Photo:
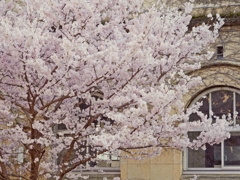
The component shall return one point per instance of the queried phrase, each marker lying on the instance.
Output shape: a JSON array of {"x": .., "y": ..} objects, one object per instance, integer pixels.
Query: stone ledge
[{"x": 212, "y": 177}]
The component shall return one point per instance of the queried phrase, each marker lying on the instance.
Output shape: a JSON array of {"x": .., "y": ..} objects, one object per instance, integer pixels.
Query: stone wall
[{"x": 167, "y": 166}]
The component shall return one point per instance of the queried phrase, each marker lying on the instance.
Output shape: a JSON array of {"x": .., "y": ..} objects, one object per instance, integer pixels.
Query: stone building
[{"x": 220, "y": 94}]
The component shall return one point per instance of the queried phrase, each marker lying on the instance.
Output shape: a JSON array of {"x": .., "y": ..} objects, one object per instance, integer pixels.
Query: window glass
[
  {"x": 237, "y": 108},
  {"x": 232, "y": 150},
  {"x": 220, "y": 52},
  {"x": 209, "y": 158},
  {"x": 222, "y": 103},
  {"x": 204, "y": 108}
]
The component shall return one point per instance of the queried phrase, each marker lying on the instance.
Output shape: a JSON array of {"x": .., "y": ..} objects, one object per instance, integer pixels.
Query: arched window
[{"x": 226, "y": 155}]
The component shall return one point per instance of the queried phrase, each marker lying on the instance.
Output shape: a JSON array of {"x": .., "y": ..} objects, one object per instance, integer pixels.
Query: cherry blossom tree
[{"x": 111, "y": 72}]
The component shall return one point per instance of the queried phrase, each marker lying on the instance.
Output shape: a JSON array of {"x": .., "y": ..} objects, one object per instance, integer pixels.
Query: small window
[{"x": 219, "y": 52}]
